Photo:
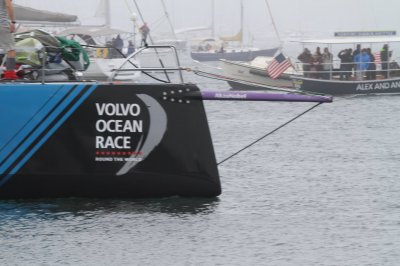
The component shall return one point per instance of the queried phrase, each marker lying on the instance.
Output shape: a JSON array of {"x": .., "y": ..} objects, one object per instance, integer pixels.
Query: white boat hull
[
  {"x": 257, "y": 75},
  {"x": 102, "y": 69}
]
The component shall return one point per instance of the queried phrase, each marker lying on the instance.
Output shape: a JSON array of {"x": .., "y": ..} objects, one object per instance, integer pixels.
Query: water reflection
[{"x": 56, "y": 208}]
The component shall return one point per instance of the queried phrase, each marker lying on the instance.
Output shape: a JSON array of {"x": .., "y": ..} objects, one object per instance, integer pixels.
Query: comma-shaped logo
[{"x": 157, "y": 129}]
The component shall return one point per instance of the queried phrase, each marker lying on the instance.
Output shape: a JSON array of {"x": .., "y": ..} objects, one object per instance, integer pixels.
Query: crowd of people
[
  {"x": 118, "y": 44},
  {"x": 317, "y": 65},
  {"x": 359, "y": 63}
]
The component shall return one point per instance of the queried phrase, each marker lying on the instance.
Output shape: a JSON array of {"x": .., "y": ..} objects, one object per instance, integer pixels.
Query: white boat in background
[
  {"x": 253, "y": 75},
  {"x": 103, "y": 57},
  {"x": 180, "y": 45},
  {"x": 379, "y": 75}
]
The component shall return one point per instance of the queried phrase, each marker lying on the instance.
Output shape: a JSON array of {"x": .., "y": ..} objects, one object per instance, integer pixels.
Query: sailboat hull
[{"x": 104, "y": 141}]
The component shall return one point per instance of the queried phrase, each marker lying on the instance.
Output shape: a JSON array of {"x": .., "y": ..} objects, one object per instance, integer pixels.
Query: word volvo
[{"x": 117, "y": 123}]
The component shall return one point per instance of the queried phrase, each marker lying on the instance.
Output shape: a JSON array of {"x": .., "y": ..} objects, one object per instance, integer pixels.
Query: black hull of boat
[
  {"x": 104, "y": 141},
  {"x": 232, "y": 56},
  {"x": 236, "y": 86},
  {"x": 336, "y": 87}
]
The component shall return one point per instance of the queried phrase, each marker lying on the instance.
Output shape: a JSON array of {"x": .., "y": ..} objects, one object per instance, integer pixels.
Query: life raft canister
[{"x": 102, "y": 52}]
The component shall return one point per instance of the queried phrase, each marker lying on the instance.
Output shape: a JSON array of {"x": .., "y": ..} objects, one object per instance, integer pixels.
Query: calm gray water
[{"x": 324, "y": 190}]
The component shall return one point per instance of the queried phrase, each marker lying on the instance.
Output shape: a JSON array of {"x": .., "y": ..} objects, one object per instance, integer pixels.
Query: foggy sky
[{"x": 309, "y": 18}]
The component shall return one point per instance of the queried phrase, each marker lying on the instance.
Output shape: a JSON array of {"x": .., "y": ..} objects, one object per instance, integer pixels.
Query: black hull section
[
  {"x": 246, "y": 87},
  {"x": 232, "y": 56},
  {"x": 135, "y": 185},
  {"x": 335, "y": 87},
  {"x": 104, "y": 141}
]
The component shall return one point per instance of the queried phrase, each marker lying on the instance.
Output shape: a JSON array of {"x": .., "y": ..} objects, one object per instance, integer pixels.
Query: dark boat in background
[
  {"x": 232, "y": 54},
  {"x": 228, "y": 47},
  {"x": 339, "y": 87}
]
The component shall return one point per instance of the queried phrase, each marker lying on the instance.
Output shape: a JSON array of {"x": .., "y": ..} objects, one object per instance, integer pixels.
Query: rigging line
[
  {"x": 128, "y": 7},
  {"x": 269, "y": 133},
  {"x": 210, "y": 75},
  {"x": 151, "y": 39},
  {"x": 157, "y": 22},
  {"x": 204, "y": 65},
  {"x": 129, "y": 61},
  {"x": 273, "y": 23},
  {"x": 225, "y": 78},
  {"x": 169, "y": 19}
]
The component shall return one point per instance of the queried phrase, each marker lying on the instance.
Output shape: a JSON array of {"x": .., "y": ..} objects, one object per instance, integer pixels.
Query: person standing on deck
[
  {"x": 119, "y": 43},
  {"x": 131, "y": 48},
  {"x": 371, "y": 71},
  {"x": 362, "y": 62},
  {"x": 317, "y": 63},
  {"x": 327, "y": 64},
  {"x": 385, "y": 57},
  {"x": 7, "y": 43},
  {"x": 346, "y": 64},
  {"x": 355, "y": 53},
  {"x": 144, "y": 30},
  {"x": 306, "y": 59}
]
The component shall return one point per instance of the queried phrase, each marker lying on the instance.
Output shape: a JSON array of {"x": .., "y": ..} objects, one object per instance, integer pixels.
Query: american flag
[{"x": 278, "y": 65}]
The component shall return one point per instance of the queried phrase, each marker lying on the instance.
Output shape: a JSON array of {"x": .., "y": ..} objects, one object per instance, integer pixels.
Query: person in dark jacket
[
  {"x": 356, "y": 52},
  {"x": 385, "y": 58},
  {"x": 131, "y": 48},
  {"x": 371, "y": 70},
  {"x": 119, "y": 43},
  {"x": 346, "y": 63},
  {"x": 306, "y": 59}
]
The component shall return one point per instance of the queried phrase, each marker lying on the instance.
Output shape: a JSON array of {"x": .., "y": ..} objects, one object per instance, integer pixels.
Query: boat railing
[
  {"x": 380, "y": 69},
  {"x": 75, "y": 66},
  {"x": 43, "y": 69},
  {"x": 145, "y": 70},
  {"x": 131, "y": 62},
  {"x": 128, "y": 63}
]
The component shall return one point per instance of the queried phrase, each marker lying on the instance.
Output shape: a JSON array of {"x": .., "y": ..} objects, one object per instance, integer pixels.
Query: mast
[
  {"x": 107, "y": 8},
  {"x": 169, "y": 20},
  {"x": 273, "y": 23},
  {"x": 241, "y": 21},
  {"x": 104, "y": 12},
  {"x": 212, "y": 18},
  {"x": 142, "y": 19}
]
